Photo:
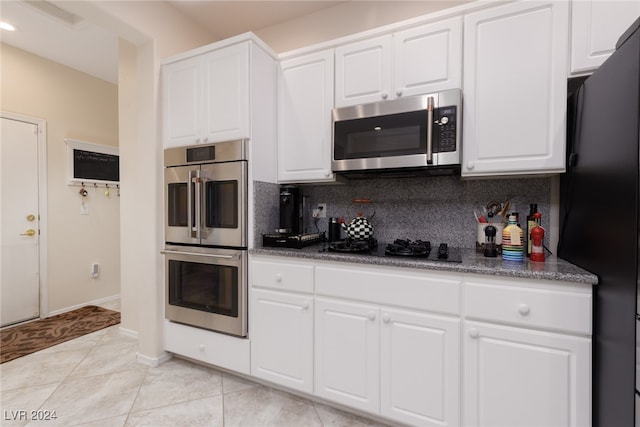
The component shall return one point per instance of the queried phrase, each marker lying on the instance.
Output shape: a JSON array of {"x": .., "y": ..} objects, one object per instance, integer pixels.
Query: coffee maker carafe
[{"x": 290, "y": 210}]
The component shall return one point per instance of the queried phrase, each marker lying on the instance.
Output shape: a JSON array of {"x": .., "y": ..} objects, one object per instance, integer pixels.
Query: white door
[
  {"x": 19, "y": 222},
  {"x": 305, "y": 100},
  {"x": 517, "y": 377},
  {"x": 513, "y": 127},
  {"x": 428, "y": 58},
  {"x": 420, "y": 368},
  {"x": 225, "y": 89},
  {"x": 347, "y": 364},
  {"x": 282, "y": 338},
  {"x": 363, "y": 71}
]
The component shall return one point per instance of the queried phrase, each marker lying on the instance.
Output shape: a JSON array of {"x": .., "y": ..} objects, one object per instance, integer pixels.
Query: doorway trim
[{"x": 42, "y": 205}]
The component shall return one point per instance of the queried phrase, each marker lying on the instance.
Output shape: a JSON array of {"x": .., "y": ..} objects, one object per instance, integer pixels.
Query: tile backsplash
[{"x": 438, "y": 209}]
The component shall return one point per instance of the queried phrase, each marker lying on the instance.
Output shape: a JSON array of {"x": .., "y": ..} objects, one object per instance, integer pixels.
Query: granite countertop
[{"x": 552, "y": 269}]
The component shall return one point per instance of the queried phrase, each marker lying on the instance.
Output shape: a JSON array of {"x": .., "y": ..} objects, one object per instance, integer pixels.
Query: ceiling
[{"x": 46, "y": 29}]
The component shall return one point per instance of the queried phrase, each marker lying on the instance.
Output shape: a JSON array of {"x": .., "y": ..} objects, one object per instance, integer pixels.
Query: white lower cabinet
[
  {"x": 403, "y": 364},
  {"x": 387, "y": 341},
  {"x": 347, "y": 343},
  {"x": 281, "y": 321},
  {"x": 519, "y": 377},
  {"x": 282, "y": 338},
  {"x": 419, "y": 368},
  {"x": 210, "y": 347},
  {"x": 527, "y": 353},
  {"x": 424, "y": 348}
]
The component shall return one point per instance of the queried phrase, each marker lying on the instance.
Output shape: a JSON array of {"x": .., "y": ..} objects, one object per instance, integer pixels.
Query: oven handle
[
  {"x": 168, "y": 252},
  {"x": 430, "y": 130},
  {"x": 198, "y": 206},
  {"x": 189, "y": 204}
]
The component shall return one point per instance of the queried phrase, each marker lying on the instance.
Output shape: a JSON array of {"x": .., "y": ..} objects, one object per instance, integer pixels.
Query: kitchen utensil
[{"x": 359, "y": 228}]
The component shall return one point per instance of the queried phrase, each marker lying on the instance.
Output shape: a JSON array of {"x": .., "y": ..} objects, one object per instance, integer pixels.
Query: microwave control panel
[{"x": 445, "y": 129}]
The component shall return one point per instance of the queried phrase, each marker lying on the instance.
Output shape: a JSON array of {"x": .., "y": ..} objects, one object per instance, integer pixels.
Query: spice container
[
  {"x": 490, "y": 250},
  {"x": 537, "y": 250}
]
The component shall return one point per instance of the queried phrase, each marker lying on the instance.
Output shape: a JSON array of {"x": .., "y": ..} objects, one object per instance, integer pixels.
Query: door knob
[{"x": 29, "y": 232}]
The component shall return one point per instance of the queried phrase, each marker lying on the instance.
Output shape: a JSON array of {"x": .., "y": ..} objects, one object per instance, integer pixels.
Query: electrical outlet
[{"x": 322, "y": 210}]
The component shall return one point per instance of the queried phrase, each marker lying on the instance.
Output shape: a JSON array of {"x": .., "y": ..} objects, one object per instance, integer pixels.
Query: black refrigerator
[{"x": 599, "y": 221}]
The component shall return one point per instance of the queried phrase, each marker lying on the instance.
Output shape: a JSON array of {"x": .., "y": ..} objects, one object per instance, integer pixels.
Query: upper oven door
[
  {"x": 179, "y": 201},
  {"x": 223, "y": 204},
  {"x": 207, "y": 204}
]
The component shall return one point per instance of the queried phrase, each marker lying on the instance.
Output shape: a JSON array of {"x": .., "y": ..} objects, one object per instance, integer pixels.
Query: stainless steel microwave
[{"x": 419, "y": 133}]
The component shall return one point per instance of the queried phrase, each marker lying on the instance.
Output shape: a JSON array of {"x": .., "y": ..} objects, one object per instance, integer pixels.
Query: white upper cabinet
[
  {"x": 428, "y": 58},
  {"x": 305, "y": 101},
  {"x": 206, "y": 97},
  {"x": 181, "y": 104},
  {"x": 225, "y": 88},
  {"x": 596, "y": 26},
  {"x": 515, "y": 77},
  {"x": 420, "y": 60},
  {"x": 363, "y": 71}
]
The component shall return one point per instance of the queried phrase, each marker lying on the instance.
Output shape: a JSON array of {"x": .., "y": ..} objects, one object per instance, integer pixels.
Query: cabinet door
[
  {"x": 282, "y": 338},
  {"x": 420, "y": 368},
  {"x": 518, "y": 377},
  {"x": 428, "y": 58},
  {"x": 596, "y": 26},
  {"x": 305, "y": 100},
  {"x": 515, "y": 71},
  {"x": 347, "y": 365},
  {"x": 181, "y": 103},
  {"x": 363, "y": 71},
  {"x": 225, "y": 85}
]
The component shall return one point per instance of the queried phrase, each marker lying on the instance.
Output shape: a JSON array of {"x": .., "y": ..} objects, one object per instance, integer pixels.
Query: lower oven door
[{"x": 207, "y": 288}]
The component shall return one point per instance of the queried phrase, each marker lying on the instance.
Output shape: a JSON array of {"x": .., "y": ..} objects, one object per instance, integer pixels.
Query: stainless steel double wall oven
[{"x": 206, "y": 236}]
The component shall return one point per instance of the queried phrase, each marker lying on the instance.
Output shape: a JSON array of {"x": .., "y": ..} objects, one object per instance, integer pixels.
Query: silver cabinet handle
[
  {"x": 430, "y": 130},
  {"x": 166, "y": 252}
]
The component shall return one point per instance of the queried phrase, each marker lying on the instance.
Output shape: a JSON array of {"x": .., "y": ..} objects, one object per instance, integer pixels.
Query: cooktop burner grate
[
  {"x": 354, "y": 246},
  {"x": 409, "y": 248}
]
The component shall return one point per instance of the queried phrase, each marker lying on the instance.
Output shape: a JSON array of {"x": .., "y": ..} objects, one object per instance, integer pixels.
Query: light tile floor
[{"x": 95, "y": 380}]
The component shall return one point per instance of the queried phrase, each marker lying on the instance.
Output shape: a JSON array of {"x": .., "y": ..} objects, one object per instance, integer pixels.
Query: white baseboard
[
  {"x": 153, "y": 361},
  {"x": 128, "y": 332},
  {"x": 75, "y": 307}
]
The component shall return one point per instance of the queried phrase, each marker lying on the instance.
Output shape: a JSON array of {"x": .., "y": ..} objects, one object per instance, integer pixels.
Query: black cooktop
[{"x": 401, "y": 248}]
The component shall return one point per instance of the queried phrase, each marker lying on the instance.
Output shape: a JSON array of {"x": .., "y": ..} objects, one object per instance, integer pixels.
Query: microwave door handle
[{"x": 430, "y": 130}]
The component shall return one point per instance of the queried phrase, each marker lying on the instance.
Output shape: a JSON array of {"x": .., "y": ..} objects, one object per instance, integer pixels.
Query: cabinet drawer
[
  {"x": 207, "y": 346},
  {"x": 415, "y": 289},
  {"x": 563, "y": 310},
  {"x": 289, "y": 276}
]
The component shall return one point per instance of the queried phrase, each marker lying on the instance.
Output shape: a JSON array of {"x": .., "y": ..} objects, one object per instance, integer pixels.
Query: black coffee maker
[
  {"x": 290, "y": 210},
  {"x": 292, "y": 231}
]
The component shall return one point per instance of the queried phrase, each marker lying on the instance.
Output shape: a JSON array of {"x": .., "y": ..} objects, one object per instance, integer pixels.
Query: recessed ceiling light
[{"x": 6, "y": 26}]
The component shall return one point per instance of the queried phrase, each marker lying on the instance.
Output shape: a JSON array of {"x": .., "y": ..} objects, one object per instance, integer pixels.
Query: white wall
[
  {"x": 345, "y": 19},
  {"x": 78, "y": 106},
  {"x": 152, "y": 30}
]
